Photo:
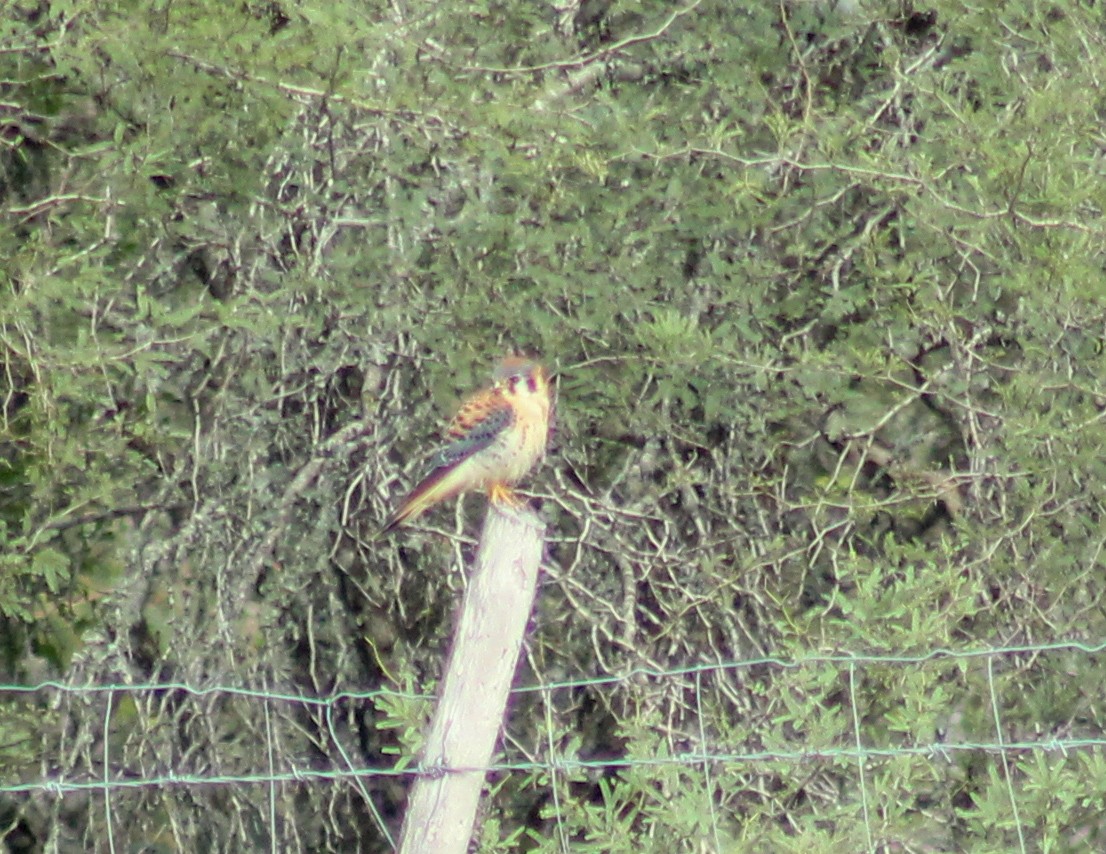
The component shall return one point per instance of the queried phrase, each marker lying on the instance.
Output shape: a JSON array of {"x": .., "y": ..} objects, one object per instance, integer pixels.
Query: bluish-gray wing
[{"x": 477, "y": 435}]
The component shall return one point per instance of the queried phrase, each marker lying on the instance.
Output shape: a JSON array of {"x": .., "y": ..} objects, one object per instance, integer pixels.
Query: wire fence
[{"x": 115, "y": 776}]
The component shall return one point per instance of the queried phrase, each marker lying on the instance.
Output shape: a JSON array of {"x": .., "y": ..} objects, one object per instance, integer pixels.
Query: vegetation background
[{"x": 823, "y": 287}]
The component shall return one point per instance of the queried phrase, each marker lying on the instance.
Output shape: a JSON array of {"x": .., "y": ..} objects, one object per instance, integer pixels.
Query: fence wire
[{"x": 560, "y": 763}]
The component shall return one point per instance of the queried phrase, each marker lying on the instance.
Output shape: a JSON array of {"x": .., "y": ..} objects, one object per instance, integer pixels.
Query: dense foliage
[{"x": 823, "y": 288}]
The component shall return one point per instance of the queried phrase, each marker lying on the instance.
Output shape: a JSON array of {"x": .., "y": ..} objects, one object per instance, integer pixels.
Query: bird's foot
[{"x": 503, "y": 496}]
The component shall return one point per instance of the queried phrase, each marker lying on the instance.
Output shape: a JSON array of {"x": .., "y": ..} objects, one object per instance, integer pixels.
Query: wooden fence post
[{"x": 472, "y": 702}]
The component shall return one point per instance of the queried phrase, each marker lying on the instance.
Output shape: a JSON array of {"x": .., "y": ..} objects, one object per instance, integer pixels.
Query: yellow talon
[{"x": 500, "y": 493}]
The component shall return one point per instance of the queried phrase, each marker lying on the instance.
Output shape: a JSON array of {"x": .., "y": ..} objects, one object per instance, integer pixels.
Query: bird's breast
[{"x": 522, "y": 445}]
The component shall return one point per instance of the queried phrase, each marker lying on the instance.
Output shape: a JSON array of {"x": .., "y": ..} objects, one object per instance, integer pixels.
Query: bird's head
[{"x": 517, "y": 375}]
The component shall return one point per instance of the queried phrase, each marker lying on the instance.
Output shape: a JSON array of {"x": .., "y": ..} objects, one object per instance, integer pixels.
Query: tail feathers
[{"x": 441, "y": 484}]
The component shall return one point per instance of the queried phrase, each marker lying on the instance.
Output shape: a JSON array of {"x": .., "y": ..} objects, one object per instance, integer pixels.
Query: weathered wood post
[{"x": 472, "y": 701}]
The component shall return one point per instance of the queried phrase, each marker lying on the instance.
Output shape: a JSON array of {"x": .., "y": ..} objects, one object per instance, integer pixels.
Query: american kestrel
[{"x": 498, "y": 435}]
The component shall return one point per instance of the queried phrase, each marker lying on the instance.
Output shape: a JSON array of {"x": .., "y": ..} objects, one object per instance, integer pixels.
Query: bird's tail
[{"x": 441, "y": 484}]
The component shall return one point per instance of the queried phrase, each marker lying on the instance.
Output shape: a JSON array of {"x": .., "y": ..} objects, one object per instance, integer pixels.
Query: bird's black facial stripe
[{"x": 516, "y": 383}]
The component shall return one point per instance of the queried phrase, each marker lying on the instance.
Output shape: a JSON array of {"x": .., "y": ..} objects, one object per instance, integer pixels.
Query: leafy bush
[{"x": 823, "y": 288}]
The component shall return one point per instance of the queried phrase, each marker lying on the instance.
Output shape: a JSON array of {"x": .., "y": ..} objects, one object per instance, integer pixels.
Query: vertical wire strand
[
  {"x": 860, "y": 756},
  {"x": 1002, "y": 753}
]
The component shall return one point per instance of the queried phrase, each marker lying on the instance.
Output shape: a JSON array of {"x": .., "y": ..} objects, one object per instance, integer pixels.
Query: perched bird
[{"x": 498, "y": 435}]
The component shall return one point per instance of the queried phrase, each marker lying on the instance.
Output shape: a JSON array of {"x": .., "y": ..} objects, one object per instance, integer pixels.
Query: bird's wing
[{"x": 475, "y": 427}]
